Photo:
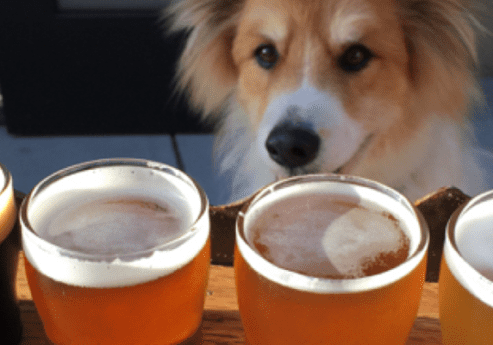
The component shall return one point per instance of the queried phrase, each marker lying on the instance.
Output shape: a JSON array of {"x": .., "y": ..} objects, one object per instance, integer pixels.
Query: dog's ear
[
  {"x": 441, "y": 40},
  {"x": 205, "y": 70}
]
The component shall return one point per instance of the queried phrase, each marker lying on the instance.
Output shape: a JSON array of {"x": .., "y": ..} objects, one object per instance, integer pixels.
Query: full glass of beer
[
  {"x": 118, "y": 252},
  {"x": 10, "y": 322},
  {"x": 329, "y": 259},
  {"x": 466, "y": 275}
]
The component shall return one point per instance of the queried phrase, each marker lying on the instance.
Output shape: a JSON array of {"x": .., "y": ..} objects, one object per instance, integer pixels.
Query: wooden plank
[{"x": 221, "y": 322}]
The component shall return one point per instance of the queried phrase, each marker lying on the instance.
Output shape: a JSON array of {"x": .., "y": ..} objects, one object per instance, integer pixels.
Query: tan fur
[{"x": 422, "y": 76}]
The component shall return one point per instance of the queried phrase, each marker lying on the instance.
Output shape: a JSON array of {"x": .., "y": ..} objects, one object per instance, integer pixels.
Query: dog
[{"x": 381, "y": 89}]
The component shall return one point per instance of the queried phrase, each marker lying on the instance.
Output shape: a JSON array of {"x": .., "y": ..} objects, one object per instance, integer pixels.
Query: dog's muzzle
[{"x": 293, "y": 144}]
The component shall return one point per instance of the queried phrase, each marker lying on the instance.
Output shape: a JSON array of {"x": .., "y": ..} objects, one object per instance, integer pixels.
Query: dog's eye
[
  {"x": 355, "y": 58},
  {"x": 266, "y": 56}
]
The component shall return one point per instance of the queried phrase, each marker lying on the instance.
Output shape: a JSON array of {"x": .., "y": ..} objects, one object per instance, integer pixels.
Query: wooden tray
[{"x": 221, "y": 322}]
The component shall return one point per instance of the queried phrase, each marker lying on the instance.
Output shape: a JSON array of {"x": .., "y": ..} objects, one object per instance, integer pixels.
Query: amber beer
[
  {"x": 10, "y": 322},
  {"x": 466, "y": 275},
  {"x": 117, "y": 252},
  {"x": 326, "y": 259}
]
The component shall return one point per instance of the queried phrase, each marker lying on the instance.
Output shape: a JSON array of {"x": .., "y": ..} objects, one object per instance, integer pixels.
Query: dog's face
[
  {"x": 322, "y": 82},
  {"x": 341, "y": 86}
]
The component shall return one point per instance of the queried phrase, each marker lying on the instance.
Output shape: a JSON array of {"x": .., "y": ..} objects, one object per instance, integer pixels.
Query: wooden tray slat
[{"x": 222, "y": 323}]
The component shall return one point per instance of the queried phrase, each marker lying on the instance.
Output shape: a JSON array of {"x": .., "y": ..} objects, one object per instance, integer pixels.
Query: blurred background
[{"x": 88, "y": 79}]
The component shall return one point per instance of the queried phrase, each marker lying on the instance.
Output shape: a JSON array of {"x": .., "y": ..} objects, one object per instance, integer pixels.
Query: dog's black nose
[{"x": 292, "y": 144}]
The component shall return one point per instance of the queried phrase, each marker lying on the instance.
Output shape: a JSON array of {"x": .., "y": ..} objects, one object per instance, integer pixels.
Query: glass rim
[
  {"x": 8, "y": 178},
  {"x": 468, "y": 276},
  {"x": 314, "y": 284},
  {"x": 6, "y": 188},
  {"x": 105, "y": 163}
]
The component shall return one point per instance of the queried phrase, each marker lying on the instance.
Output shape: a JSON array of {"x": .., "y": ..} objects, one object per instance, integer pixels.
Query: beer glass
[
  {"x": 466, "y": 275},
  {"x": 118, "y": 252},
  {"x": 329, "y": 259},
  {"x": 10, "y": 322}
]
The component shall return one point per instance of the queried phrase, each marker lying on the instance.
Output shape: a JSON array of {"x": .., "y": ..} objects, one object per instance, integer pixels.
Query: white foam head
[
  {"x": 115, "y": 222},
  {"x": 289, "y": 236},
  {"x": 468, "y": 246}
]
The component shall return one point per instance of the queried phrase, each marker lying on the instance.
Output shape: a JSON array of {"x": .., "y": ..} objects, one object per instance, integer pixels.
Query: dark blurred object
[
  {"x": 437, "y": 209},
  {"x": 223, "y": 225},
  {"x": 10, "y": 320},
  {"x": 88, "y": 72}
]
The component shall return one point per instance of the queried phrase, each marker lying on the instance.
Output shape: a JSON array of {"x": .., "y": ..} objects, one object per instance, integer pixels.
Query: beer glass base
[
  {"x": 282, "y": 300},
  {"x": 127, "y": 259}
]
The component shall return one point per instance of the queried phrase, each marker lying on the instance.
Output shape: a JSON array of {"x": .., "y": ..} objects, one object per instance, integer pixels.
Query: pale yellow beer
[
  {"x": 327, "y": 259},
  {"x": 466, "y": 275},
  {"x": 118, "y": 252}
]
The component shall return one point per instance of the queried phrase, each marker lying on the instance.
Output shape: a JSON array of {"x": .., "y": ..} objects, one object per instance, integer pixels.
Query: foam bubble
[
  {"x": 359, "y": 238},
  {"x": 474, "y": 238},
  {"x": 291, "y": 239},
  {"x": 328, "y": 235},
  {"x": 115, "y": 225},
  {"x": 469, "y": 260}
]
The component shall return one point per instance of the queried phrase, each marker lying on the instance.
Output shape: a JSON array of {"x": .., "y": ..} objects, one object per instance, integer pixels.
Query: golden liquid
[
  {"x": 274, "y": 314},
  {"x": 384, "y": 261},
  {"x": 8, "y": 214},
  {"x": 464, "y": 319},
  {"x": 321, "y": 237},
  {"x": 167, "y": 310}
]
